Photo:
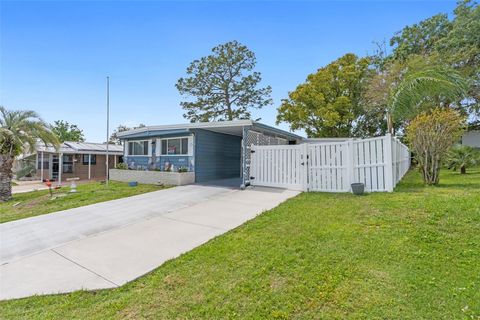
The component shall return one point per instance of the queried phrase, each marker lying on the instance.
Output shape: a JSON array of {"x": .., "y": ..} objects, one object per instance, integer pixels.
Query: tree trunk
[
  {"x": 431, "y": 171},
  {"x": 463, "y": 170},
  {"x": 6, "y": 163},
  {"x": 229, "y": 106},
  {"x": 389, "y": 123}
]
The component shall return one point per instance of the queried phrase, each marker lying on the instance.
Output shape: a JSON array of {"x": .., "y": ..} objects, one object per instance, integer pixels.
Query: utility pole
[{"x": 108, "y": 124}]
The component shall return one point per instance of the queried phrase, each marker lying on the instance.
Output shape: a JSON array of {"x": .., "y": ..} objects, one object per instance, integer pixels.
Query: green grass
[
  {"x": 411, "y": 254},
  {"x": 29, "y": 204}
]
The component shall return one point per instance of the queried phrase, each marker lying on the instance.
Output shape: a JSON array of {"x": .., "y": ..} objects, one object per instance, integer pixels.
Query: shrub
[
  {"x": 121, "y": 166},
  {"x": 461, "y": 157},
  {"x": 27, "y": 171},
  {"x": 430, "y": 136},
  {"x": 182, "y": 169}
]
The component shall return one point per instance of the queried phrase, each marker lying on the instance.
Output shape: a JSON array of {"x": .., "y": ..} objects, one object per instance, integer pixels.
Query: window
[
  {"x": 93, "y": 159},
  {"x": 45, "y": 164},
  {"x": 67, "y": 163},
  {"x": 138, "y": 148},
  {"x": 174, "y": 146}
]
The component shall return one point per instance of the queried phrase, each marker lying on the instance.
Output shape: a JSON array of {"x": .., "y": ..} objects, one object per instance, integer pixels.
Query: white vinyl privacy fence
[{"x": 379, "y": 163}]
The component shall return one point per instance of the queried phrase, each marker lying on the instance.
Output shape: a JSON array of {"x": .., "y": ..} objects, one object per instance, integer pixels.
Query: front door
[{"x": 55, "y": 166}]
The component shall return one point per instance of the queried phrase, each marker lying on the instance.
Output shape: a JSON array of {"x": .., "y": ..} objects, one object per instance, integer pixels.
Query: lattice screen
[{"x": 258, "y": 139}]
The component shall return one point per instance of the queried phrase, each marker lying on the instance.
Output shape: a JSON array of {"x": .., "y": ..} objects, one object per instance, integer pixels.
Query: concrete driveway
[{"x": 108, "y": 244}]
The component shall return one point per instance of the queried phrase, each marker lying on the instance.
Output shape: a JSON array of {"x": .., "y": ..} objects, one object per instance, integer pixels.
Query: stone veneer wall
[{"x": 153, "y": 177}]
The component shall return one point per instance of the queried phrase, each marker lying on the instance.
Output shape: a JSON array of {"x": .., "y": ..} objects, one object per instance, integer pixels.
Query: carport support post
[
  {"x": 89, "y": 164},
  {"x": 41, "y": 167},
  {"x": 60, "y": 169},
  {"x": 36, "y": 163},
  {"x": 244, "y": 158}
]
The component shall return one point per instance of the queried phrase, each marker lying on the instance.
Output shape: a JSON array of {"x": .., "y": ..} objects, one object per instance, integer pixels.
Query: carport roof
[
  {"x": 234, "y": 127},
  {"x": 82, "y": 147}
]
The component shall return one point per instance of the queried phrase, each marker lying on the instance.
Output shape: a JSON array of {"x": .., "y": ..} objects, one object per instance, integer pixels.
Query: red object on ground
[{"x": 48, "y": 183}]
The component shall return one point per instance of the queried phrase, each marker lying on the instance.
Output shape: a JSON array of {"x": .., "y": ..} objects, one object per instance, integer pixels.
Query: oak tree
[{"x": 329, "y": 102}]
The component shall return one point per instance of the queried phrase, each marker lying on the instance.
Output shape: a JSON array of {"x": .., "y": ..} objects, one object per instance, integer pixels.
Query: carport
[{"x": 214, "y": 151}]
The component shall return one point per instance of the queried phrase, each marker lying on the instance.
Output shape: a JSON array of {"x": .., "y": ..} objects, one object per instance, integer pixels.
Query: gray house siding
[{"x": 217, "y": 155}]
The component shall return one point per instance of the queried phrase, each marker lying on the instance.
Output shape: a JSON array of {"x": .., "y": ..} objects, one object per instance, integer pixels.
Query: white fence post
[
  {"x": 387, "y": 156},
  {"x": 304, "y": 167},
  {"x": 350, "y": 165}
]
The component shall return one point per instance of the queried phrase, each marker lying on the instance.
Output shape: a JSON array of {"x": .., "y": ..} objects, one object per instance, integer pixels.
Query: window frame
[
  {"x": 46, "y": 164},
  {"x": 93, "y": 159},
  {"x": 127, "y": 148},
  {"x": 189, "y": 146},
  {"x": 67, "y": 163}
]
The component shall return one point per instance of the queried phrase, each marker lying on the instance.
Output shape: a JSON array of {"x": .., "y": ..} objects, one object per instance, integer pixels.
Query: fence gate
[
  {"x": 379, "y": 163},
  {"x": 327, "y": 167},
  {"x": 282, "y": 166}
]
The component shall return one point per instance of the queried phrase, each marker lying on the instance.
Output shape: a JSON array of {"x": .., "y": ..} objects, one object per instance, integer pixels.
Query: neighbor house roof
[
  {"x": 83, "y": 147},
  {"x": 234, "y": 127}
]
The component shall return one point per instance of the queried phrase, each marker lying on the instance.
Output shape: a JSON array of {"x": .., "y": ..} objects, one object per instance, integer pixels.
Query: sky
[{"x": 55, "y": 56}]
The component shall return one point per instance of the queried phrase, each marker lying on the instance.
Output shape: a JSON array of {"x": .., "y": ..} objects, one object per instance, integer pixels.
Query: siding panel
[{"x": 217, "y": 156}]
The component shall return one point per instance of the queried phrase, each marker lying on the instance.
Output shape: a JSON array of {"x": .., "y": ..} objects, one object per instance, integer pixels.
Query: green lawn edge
[{"x": 35, "y": 203}]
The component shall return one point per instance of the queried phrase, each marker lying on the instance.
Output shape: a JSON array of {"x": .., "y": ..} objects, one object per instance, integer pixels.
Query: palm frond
[
  {"x": 418, "y": 87},
  {"x": 21, "y": 130}
]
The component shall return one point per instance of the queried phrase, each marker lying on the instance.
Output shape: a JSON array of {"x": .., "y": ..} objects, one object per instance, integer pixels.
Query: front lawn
[
  {"x": 29, "y": 204},
  {"x": 411, "y": 254}
]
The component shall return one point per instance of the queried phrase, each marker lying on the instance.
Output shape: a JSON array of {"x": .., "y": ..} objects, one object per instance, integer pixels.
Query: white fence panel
[
  {"x": 277, "y": 166},
  {"x": 369, "y": 163},
  {"x": 327, "y": 168},
  {"x": 401, "y": 160},
  {"x": 379, "y": 163}
]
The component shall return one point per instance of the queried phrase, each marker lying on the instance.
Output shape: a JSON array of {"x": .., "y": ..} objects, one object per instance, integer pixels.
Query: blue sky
[{"x": 55, "y": 55}]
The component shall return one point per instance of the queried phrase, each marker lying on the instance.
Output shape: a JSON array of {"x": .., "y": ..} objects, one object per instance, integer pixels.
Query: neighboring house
[
  {"x": 212, "y": 150},
  {"x": 471, "y": 138},
  {"x": 84, "y": 160}
]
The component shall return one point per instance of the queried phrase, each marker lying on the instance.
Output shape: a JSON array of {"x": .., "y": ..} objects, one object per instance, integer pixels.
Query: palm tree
[
  {"x": 461, "y": 157},
  {"x": 435, "y": 84},
  {"x": 19, "y": 131}
]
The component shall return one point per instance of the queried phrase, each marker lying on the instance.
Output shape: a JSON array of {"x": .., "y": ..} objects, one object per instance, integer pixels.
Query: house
[
  {"x": 84, "y": 160},
  {"x": 471, "y": 138},
  {"x": 211, "y": 151}
]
